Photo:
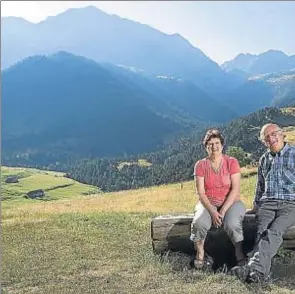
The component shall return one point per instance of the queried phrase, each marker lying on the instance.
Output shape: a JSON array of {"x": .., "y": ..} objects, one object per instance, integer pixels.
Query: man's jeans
[{"x": 273, "y": 218}]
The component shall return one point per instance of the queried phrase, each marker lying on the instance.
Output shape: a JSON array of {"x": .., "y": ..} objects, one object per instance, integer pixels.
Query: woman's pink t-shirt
[{"x": 217, "y": 184}]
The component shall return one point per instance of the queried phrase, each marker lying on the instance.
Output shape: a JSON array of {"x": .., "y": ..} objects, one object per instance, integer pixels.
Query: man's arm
[{"x": 260, "y": 188}]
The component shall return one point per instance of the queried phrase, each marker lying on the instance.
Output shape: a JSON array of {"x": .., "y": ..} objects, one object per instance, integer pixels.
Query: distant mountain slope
[
  {"x": 249, "y": 97},
  {"x": 267, "y": 62},
  {"x": 178, "y": 94},
  {"x": 274, "y": 89},
  {"x": 70, "y": 104},
  {"x": 283, "y": 85},
  {"x": 65, "y": 105},
  {"x": 108, "y": 38}
]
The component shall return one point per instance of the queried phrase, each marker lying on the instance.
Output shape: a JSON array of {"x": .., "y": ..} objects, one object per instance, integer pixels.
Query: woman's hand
[
  {"x": 222, "y": 212},
  {"x": 216, "y": 218},
  {"x": 233, "y": 194}
]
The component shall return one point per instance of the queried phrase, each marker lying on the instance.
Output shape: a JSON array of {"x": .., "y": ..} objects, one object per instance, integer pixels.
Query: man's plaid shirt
[{"x": 276, "y": 176}]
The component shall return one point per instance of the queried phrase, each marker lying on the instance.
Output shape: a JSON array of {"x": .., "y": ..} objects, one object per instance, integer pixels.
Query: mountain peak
[
  {"x": 266, "y": 62},
  {"x": 87, "y": 12},
  {"x": 15, "y": 20},
  {"x": 88, "y": 9},
  {"x": 273, "y": 52},
  {"x": 63, "y": 54},
  {"x": 244, "y": 55}
]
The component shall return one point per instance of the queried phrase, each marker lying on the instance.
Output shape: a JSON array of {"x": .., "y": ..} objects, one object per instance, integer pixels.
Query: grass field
[
  {"x": 99, "y": 243},
  {"x": 140, "y": 162},
  {"x": 290, "y": 134},
  {"x": 290, "y": 131},
  {"x": 50, "y": 182}
]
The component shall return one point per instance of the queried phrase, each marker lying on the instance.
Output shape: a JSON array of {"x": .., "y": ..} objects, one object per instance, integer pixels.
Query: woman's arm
[
  {"x": 233, "y": 194},
  {"x": 200, "y": 190}
]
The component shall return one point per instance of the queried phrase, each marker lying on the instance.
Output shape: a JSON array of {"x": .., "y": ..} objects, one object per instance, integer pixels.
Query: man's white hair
[{"x": 263, "y": 129}]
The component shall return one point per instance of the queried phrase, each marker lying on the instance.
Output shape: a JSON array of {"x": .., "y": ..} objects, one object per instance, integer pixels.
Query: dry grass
[
  {"x": 102, "y": 244},
  {"x": 289, "y": 110},
  {"x": 140, "y": 162},
  {"x": 166, "y": 199},
  {"x": 290, "y": 134}
]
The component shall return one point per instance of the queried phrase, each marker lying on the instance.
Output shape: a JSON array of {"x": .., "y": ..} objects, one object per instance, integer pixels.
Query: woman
[{"x": 217, "y": 179}]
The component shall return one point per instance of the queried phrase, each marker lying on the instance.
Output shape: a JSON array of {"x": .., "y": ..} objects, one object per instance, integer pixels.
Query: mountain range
[
  {"x": 88, "y": 84},
  {"x": 102, "y": 37},
  {"x": 259, "y": 91},
  {"x": 72, "y": 104},
  {"x": 266, "y": 62}
]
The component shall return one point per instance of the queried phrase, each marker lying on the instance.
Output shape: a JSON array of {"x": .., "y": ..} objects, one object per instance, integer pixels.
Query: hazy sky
[{"x": 221, "y": 29}]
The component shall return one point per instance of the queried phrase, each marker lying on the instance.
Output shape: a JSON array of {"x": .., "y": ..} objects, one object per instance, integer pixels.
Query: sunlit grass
[
  {"x": 288, "y": 110},
  {"x": 165, "y": 199},
  {"x": 94, "y": 253},
  {"x": 139, "y": 162},
  {"x": 290, "y": 134},
  {"x": 290, "y": 130},
  {"x": 55, "y": 185},
  {"x": 6, "y": 170},
  {"x": 102, "y": 244},
  {"x": 143, "y": 162}
]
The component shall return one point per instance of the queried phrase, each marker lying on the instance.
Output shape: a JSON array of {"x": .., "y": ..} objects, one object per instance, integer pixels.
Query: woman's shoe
[
  {"x": 198, "y": 263},
  {"x": 205, "y": 264}
]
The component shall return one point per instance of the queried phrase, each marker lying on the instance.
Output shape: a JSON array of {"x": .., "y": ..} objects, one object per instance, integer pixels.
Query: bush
[{"x": 237, "y": 152}]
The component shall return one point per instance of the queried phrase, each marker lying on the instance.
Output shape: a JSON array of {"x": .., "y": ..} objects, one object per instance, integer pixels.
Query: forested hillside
[{"x": 175, "y": 162}]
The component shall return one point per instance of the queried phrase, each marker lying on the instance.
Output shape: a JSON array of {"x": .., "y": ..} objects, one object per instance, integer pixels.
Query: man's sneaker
[
  {"x": 257, "y": 277},
  {"x": 241, "y": 272}
]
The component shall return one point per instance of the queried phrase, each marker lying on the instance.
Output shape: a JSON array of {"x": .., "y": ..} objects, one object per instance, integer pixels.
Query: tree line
[{"x": 172, "y": 163}]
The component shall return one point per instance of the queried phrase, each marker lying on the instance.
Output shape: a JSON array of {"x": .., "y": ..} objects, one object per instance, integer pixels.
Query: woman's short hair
[{"x": 213, "y": 133}]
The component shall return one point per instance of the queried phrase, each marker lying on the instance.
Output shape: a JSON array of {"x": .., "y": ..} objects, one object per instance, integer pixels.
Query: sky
[{"x": 221, "y": 29}]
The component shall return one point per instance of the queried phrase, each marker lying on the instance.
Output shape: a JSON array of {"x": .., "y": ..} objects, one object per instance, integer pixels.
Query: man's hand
[
  {"x": 251, "y": 210},
  {"x": 216, "y": 218}
]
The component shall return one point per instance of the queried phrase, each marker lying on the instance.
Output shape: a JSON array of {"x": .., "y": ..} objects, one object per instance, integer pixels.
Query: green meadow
[
  {"x": 86, "y": 241},
  {"x": 55, "y": 185}
]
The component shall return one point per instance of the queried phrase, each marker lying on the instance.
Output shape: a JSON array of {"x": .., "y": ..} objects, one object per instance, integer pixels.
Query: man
[{"x": 274, "y": 203}]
